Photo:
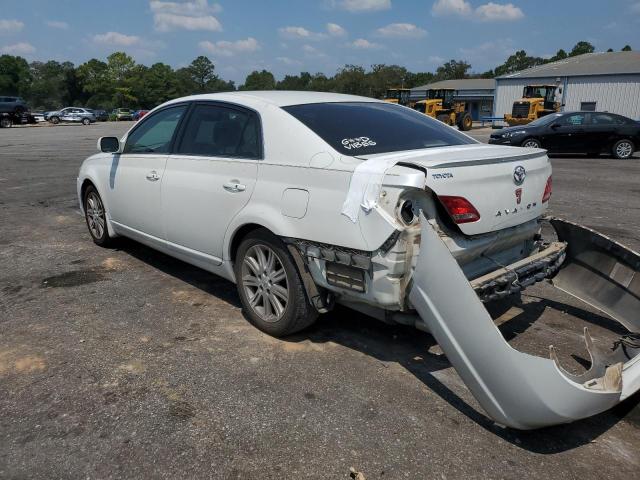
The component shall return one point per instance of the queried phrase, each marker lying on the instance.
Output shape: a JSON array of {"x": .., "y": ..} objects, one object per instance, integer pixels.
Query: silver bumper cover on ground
[{"x": 521, "y": 390}]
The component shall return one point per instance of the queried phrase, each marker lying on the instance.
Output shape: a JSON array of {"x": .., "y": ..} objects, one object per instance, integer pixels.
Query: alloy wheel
[
  {"x": 265, "y": 283},
  {"x": 94, "y": 212},
  {"x": 624, "y": 149},
  {"x": 530, "y": 144}
]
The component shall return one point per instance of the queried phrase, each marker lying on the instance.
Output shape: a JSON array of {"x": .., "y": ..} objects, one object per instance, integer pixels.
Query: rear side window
[
  {"x": 155, "y": 133},
  {"x": 363, "y": 128},
  {"x": 606, "y": 119},
  {"x": 217, "y": 131}
]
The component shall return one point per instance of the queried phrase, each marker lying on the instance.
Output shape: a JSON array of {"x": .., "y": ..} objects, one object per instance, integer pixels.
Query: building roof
[
  {"x": 462, "y": 84},
  {"x": 603, "y": 63}
]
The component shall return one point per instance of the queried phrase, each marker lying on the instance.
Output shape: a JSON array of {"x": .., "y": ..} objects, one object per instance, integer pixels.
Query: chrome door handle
[
  {"x": 234, "y": 187},
  {"x": 153, "y": 176}
]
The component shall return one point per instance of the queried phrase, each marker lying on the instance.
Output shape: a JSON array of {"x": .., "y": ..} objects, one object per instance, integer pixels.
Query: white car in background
[
  {"x": 306, "y": 199},
  {"x": 71, "y": 115}
]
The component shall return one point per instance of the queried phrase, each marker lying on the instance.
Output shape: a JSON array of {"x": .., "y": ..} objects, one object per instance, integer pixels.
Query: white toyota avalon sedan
[{"x": 306, "y": 199}]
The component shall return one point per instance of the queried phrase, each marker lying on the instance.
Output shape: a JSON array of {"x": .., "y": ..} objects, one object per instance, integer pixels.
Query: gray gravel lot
[{"x": 125, "y": 363}]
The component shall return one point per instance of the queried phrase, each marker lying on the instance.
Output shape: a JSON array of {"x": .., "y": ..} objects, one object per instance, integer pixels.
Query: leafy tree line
[{"x": 121, "y": 82}]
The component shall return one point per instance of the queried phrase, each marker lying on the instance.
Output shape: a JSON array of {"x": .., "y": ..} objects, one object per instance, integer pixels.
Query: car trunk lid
[{"x": 489, "y": 177}]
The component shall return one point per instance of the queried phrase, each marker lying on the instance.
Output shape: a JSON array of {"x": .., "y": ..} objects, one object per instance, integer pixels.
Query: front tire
[
  {"x": 86, "y": 121},
  {"x": 54, "y": 120},
  {"x": 270, "y": 288},
  {"x": 96, "y": 217},
  {"x": 466, "y": 122},
  {"x": 623, "y": 149},
  {"x": 531, "y": 143}
]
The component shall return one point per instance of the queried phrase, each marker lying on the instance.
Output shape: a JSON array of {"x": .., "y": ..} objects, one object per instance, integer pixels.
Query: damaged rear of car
[{"x": 467, "y": 230}]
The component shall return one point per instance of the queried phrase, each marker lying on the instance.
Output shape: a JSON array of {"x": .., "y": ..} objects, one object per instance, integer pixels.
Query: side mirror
[
  {"x": 109, "y": 144},
  {"x": 555, "y": 126}
]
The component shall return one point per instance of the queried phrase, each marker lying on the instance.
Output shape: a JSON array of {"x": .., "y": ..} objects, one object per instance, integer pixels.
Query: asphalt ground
[{"x": 126, "y": 363}]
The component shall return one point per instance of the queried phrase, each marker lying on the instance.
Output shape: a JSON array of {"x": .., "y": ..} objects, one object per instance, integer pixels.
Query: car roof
[{"x": 280, "y": 98}]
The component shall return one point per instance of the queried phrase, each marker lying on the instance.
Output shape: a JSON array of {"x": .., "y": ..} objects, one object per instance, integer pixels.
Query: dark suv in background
[{"x": 14, "y": 105}]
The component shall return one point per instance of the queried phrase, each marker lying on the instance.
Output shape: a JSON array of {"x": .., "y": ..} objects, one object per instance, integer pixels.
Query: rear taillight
[
  {"x": 460, "y": 209},
  {"x": 547, "y": 191}
]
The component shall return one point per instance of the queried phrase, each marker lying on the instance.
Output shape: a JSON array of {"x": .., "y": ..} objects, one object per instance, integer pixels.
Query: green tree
[
  {"x": 93, "y": 78},
  {"x": 202, "y": 72},
  {"x": 351, "y": 79},
  {"x": 560, "y": 55},
  {"x": 581, "y": 48},
  {"x": 418, "y": 79},
  {"x": 626, "y": 48},
  {"x": 516, "y": 62},
  {"x": 262, "y": 80},
  {"x": 15, "y": 76},
  {"x": 381, "y": 77},
  {"x": 609, "y": 50},
  {"x": 452, "y": 70}
]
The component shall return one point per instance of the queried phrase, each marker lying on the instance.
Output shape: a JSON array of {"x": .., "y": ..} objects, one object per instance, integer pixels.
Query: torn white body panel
[{"x": 516, "y": 389}]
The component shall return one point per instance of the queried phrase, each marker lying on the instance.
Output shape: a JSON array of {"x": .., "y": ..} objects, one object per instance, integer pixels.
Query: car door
[
  {"x": 209, "y": 178},
  {"x": 568, "y": 133},
  {"x": 603, "y": 131},
  {"x": 66, "y": 114},
  {"x": 136, "y": 175}
]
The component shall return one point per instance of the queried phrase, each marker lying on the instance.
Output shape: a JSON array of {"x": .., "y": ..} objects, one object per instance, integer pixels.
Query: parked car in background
[
  {"x": 307, "y": 199},
  {"x": 71, "y": 114},
  {"x": 123, "y": 114},
  {"x": 13, "y": 105},
  {"x": 38, "y": 117},
  {"x": 575, "y": 132},
  {"x": 101, "y": 115},
  {"x": 138, "y": 114}
]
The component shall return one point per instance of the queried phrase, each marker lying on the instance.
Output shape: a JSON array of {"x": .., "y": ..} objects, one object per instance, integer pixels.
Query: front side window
[
  {"x": 155, "y": 133},
  {"x": 365, "y": 128},
  {"x": 574, "y": 119},
  {"x": 217, "y": 131}
]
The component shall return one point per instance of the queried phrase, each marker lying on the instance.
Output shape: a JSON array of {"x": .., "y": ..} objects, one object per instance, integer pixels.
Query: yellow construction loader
[
  {"x": 537, "y": 101},
  {"x": 441, "y": 105},
  {"x": 398, "y": 95}
]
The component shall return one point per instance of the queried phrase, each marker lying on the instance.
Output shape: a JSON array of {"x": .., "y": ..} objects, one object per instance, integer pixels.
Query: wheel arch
[
  {"x": 85, "y": 182},
  {"x": 239, "y": 234}
]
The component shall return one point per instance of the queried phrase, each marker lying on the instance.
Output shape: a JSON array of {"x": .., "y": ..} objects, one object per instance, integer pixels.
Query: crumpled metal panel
[{"x": 516, "y": 389}]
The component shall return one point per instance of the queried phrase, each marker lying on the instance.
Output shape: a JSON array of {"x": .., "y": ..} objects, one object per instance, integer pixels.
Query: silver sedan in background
[{"x": 71, "y": 114}]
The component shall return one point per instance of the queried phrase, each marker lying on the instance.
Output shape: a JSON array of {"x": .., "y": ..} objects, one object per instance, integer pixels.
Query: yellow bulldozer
[
  {"x": 398, "y": 95},
  {"x": 537, "y": 101},
  {"x": 442, "y": 105}
]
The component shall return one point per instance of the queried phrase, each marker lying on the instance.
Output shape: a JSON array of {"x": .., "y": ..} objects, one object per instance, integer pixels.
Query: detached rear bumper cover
[{"x": 521, "y": 390}]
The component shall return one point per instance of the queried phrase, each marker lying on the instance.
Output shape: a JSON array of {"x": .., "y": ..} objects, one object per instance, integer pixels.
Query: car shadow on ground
[
  {"x": 194, "y": 276},
  {"x": 414, "y": 350},
  {"x": 418, "y": 352}
]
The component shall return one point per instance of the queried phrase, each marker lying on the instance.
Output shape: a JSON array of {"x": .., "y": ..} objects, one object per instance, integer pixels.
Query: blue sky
[{"x": 312, "y": 35}]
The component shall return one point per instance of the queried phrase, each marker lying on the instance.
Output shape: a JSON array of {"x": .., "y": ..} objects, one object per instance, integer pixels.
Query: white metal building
[{"x": 594, "y": 81}]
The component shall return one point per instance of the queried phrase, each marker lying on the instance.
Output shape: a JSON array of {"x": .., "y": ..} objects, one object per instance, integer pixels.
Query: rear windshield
[{"x": 365, "y": 128}]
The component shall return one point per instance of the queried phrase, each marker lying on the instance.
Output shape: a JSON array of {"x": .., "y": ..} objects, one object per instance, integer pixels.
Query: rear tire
[
  {"x": 531, "y": 143},
  {"x": 96, "y": 217},
  {"x": 271, "y": 291},
  {"x": 5, "y": 122},
  {"x": 465, "y": 123},
  {"x": 623, "y": 149}
]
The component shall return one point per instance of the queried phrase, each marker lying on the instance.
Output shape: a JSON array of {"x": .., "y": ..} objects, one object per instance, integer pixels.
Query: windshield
[
  {"x": 366, "y": 128},
  {"x": 537, "y": 92},
  {"x": 545, "y": 120}
]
